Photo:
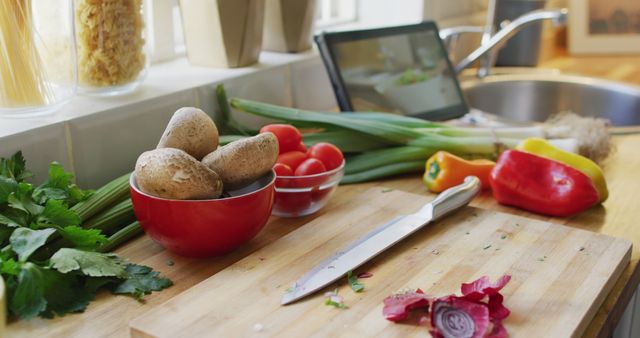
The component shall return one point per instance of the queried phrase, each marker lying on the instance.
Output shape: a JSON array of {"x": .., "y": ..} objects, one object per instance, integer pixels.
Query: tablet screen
[{"x": 406, "y": 72}]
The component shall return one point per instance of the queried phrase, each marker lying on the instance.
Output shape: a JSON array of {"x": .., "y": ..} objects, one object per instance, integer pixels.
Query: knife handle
[{"x": 455, "y": 197}]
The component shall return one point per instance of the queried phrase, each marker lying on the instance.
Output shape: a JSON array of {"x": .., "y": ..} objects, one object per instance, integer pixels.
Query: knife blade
[{"x": 380, "y": 239}]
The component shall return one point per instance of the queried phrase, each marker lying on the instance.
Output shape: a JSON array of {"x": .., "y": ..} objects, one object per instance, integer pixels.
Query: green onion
[
  {"x": 229, "y": 123},
  {"x": 389, "y": 144},
  {"x": 109, "y": 194},
  {"x": 399, "y": 120},
  {"x": 487, "y": 146},
  {"x": 386, "y": 156},
  {"x": 384, "y": 171},
  {"x": 348, "y": 141},
  {"x": 503, "y": 132},
  {"x": 384, "y": 131}
]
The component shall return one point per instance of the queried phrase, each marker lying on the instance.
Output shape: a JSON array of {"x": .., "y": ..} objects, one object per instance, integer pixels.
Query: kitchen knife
[{"x": 385, "y": 236}]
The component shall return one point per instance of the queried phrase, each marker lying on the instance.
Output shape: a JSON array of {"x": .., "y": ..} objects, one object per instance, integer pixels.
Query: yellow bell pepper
[
  {"x": 542, "y": 147},
  {"x": 444, "y": 170}
]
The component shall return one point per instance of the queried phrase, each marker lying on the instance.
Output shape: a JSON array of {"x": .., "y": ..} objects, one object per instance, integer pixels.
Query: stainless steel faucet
[{"x": 490, "y": 40}]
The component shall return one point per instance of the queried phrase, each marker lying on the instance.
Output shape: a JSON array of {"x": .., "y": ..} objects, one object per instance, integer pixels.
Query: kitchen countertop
[
  {"x": 617, "y": 68},
  {"x": 109, "y": 315}
]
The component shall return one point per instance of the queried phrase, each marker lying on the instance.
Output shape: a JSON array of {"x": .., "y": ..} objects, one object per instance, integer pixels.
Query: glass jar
[
  {"x": 112, "y": 56},
  {"x": 37, "y": 56}
]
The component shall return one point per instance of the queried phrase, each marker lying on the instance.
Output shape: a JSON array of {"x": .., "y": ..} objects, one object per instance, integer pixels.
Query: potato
[
  {"x": 174, "y": 174},
  {"x": 192, "y": 130},
  {"x": 244, "y": 161}
]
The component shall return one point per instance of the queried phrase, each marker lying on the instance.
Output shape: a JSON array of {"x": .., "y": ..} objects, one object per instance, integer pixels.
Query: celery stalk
[
  {"x": 111, "y": 218},
  {"x": 123, "y": 235},
  {"x": 109, "y": 194}
]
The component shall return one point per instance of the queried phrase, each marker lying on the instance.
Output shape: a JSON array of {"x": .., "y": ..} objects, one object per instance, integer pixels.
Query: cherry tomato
[
  {"x": 292, "y": 158},
  {"x": 282, "y": 169},
  {"x": 288, "y": 136},
  {"x": 330, "y": 155},
  {"x": 302, "y": 147},
  {"x": 310, "y": 166}
]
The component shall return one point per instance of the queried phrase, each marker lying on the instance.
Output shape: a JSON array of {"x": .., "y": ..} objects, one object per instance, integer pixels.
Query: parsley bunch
[{"x": 51, "y": 264}]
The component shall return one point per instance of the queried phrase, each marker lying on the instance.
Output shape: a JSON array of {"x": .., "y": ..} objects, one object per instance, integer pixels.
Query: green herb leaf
[
  {"x": 42, "y": 195},
  {"x": 90, "y": 263},
  {"x": 57, "y": 213},
  {"x": 25, "y": 241},
  {"x": 67, "y": 294},
  {"x": 85, "y": 239},
  {"x": 58, "y": 178},
  {"x": 141, "y": 280},
  {"x": 13, "y": 218},
  {"x": 28, "y": 298},
  {"x": 9, "y": 267},
  {"x": 7, "y": 186},
  {"x": 14, "y": 167},
  {"x": 356, "y": 286},
  {"x": 21, "y": 200},
  {"x": 59, "y": 186}
]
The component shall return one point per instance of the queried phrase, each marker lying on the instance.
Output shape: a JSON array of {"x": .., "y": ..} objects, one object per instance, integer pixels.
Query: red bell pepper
[{"x": 541, "y": 185}]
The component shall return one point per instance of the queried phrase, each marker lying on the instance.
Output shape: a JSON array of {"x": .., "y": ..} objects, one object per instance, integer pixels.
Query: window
[
  {"x": 334, "y": 12},
  {"x": 164, "y": 24}
]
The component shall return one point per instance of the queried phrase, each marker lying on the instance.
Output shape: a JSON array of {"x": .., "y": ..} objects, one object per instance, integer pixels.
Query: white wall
[{"x": 372, "y": 13}]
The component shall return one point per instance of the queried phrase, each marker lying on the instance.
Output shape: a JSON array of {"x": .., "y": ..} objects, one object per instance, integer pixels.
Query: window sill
[{"x": 164, "y": 79}]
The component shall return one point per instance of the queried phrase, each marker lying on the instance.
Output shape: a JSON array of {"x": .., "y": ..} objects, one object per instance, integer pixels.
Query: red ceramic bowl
[{"x": 203, "y": 228}]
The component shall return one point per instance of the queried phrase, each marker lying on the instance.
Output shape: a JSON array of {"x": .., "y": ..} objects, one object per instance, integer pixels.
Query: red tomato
[
  {"x": 288, "y": 136},
  {"x": 292, "y": 159},
  {"x": 310, "y": 166},
  {"x": 302, "y": 147},
  {"x": 329, "y": 154},
  {"x": 282, "y": 169}
]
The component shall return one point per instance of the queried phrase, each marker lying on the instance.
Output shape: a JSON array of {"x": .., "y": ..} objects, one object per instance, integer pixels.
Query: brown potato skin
[
  {"x": 192, "y": 130},
  {"x": 173, "y": 174},
  {"x": 242, "y": 162}
]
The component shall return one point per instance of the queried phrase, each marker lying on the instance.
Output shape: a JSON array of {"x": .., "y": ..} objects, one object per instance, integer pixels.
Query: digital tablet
[{"x": 405, "y": 70}]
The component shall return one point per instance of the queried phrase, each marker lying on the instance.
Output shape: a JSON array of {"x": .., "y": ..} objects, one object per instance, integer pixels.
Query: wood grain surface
[{"x": 560, "y": 275}]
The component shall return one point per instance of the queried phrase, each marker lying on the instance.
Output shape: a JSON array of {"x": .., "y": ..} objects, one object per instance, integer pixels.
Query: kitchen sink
[{"x": 533, "y": 95}]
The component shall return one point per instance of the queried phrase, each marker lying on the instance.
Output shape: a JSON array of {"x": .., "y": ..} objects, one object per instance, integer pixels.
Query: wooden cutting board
[{"x": 560, "y": 276}]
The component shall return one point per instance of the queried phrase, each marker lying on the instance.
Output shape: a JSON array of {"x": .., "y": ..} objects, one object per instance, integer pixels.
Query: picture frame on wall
[{"x": 604, "y": 27}]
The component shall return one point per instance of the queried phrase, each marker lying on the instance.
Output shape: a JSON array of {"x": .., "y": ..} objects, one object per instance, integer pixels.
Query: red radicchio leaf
[
  {"x": 498, "y": 330},
  {"x": 396, "y": 307},
  {"x": 458, "y": 317},
  {"x": 497, "y": 311},
  {"x": 482, "y": 287}
]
